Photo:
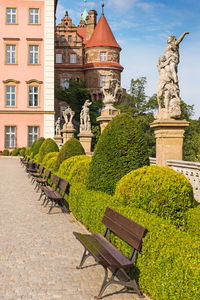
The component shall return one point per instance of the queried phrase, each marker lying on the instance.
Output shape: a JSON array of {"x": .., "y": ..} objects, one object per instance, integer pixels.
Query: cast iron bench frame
[{"x": 107, "y": 255}]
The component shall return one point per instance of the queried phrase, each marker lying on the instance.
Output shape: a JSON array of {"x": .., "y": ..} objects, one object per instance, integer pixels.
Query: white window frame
[
  {"x": 65, "y": 83},
  {"x": 33, "y": 134},
  {"x": 11, "y": 12},
  {"x": 103, "y": 56},
  {"x": 10, "y": 136},
  {"x": 33, "y": 52},
  {"x": 102, "y": 78},
  {"x": 10, "y": 91},
  {"x": 11, "y": 51},
  {"x": 59, "y": 58},
  {"x": 73, "y": 58},
  {"x": 33, "y": 96},
  {"x": 34, "y": 16}
]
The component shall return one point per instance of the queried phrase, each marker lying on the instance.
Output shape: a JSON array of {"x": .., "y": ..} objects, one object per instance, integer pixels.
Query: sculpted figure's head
[{"x": 171, "y": 39}]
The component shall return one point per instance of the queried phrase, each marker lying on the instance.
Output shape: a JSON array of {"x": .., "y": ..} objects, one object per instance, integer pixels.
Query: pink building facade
[{"x": 27, "y": 71}]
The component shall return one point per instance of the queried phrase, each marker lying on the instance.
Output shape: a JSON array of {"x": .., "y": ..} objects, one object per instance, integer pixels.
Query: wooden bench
[
  {"x": 57, "y": 196},
  {"x": 51, "y": 187},
  {"x": 42, "y": 181},
  {"x": 35, "y": 175},
  {"x": 109, "y": 256}
]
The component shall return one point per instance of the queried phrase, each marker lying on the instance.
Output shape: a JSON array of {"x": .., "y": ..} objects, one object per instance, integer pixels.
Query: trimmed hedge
[
  {"x": 71, "y": 148},
  {"x": 75, "y": 169},
  {"x": 192, "y": 224},
  {"x": 35, "y": 147},
  {"x": 48, "y": 157},
  {"x": 120, "y": 149},
  {"x": 27, "y": 151},
  {"x": 15, "y": 152},
  {"x": 158, "y": 190},
  {"x": 5, "y": 152},
  {"x": 49, "y": 145},
  {"x": 168, "y": 266},
  {"x": 22, "y": 151}
]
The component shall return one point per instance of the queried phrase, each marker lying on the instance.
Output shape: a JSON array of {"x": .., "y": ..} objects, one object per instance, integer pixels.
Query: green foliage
[
  {"x": 158, "y": 190},
  {"x": 191, "y": 144},
  {"x": 35, "y": 147},
  {"x": 51, "y": 164},
  {"x": 22, "y": 151},
  {"x": 74, "y": 96},
  {"x": 75, "y": 169},
  {"x": 36, "y": 157},
  {"x": 120, "y": 149},
  {"x": 15, "y": 152},
  {"x": 192, "y": 224},
  {"x": 47, "y": 157},
  {"x": 48, "y": 146},
  {"x": 27, "y": 151},
  {"x": 71, "y": 148},
  {"x": 5, "y": 152}
]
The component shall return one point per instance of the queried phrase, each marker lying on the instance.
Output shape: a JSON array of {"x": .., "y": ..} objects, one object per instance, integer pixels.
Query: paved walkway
[{"x": 38, "y": 252}]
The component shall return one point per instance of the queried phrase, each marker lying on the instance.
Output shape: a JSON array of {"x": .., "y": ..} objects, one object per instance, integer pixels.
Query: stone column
[
  {"x": 169, "y": 135},
  {"x": 106, "y": 116},
  {"x": 68, "y": 132},
  {"x": 85, "y": 138},
  {"x": 58, "y": 140}
]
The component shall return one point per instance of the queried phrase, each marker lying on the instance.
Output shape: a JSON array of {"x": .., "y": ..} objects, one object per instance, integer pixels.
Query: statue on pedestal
[
  {"x": 168, "y": 88},
  {"x": 68, "y": 115},
  {"x": 85, "y": 124},
  {"x": 111, "y": 90},
  {"x": 57, "y": 124}
]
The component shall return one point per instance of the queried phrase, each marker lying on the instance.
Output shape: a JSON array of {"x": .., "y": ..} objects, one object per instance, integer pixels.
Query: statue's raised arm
[{"x": 179, "y": 40}]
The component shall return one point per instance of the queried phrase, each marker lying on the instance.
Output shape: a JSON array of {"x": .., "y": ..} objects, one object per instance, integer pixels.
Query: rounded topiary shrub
[
  {"x": 158, "y": 190},
  {"x": 48, "y": 156},
  {"x": 35, "y": 147},
  {"x": 48, "y": 146},
  {"x": 27, "y": 151},
  {"x": 71, "y": 148},
  {"x": 15, "y": 152},
  {"x": 22, "y": 151},
  {"x": 6, "y": 152},
  {"x": 75, "y": 169},
  {"x": 120, "y": 149}
]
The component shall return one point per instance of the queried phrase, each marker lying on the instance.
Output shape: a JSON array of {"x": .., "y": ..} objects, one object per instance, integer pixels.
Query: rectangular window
[
  {"x": 10, "y": 136},
  {"x": 65, "y": 82},
  {"x": 33, "y": 134},
  {"x": 33, "y": 96},
  {"x": 10, "y": 95},
  {"x": 102, "y": 79},
  {"x": 10, "y": 54},
  {"x": 73, "y": 58},
  {"x": 33, "y": 54},
  {"x": 62, "y": 38},
  {"x": 58, "y": 58},
  {"x": 11, "y": 15},
  {"x": 102, "y": 56},
  {"x": 33, "y": 15},
  {"x": 69, "y": 38}
]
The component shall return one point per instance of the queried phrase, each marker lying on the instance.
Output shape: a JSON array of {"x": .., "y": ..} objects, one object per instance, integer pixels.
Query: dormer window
[{"x": 102, "y": 56}]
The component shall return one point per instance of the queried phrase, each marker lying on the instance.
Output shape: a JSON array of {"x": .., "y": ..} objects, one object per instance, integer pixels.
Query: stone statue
[
  {"x": 85, "y": 124},
  {"x": 57, "y": 124},
  {"x": 168, "y": 88},
  {"x": 68, "y": 115},
  {"x": 111, "y": 90}
]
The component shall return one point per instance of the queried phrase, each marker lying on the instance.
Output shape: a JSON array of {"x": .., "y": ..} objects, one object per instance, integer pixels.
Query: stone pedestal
[
  {"x": 85, "y": 139},
  {"x": 68, "y": 132},
  {"x": 169, "y": 135},
  {"x": 58, "y": 140},
  {"x": 106, "y": 116}
]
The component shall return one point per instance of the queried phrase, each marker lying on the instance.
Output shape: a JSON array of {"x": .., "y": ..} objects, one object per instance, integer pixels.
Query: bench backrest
[
  {"x": 63, "y": 185},
  {"x": 126, "y": 229},
  {"x": 55, "y": 181},
  {"x": 41, "y": 169},
  {"x": 47, "y": 174}
]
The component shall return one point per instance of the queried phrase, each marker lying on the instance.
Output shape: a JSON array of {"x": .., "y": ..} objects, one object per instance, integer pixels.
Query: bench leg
[
  {"x": 83, "y": 259},
  {"x": 106, "y": 282}
]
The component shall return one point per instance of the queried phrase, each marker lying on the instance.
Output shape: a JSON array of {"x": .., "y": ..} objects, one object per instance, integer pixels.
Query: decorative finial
[{"x": 102, "y": 8}]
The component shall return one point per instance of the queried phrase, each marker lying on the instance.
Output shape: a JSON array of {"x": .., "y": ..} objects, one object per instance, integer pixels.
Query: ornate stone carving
[
  {"x": 68, "y": 115},
  {"x": 111, "y": 90},
  {"x": 85, "y": 124},
  {"x": 58, "y": 129},
  {"x": 168, "y": 88}
]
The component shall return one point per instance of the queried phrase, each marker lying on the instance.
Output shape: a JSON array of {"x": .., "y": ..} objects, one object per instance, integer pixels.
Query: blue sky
[{"x": 141, "y": 28}]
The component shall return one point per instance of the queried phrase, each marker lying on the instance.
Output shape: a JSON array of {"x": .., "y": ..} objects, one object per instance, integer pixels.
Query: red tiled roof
[
  {"x": 102, "y": 35},
  {"x": 82, "y": 32}
]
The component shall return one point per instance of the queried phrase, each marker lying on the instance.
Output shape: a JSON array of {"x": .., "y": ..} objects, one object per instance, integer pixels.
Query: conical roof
[{"x": 102, "y": 35}]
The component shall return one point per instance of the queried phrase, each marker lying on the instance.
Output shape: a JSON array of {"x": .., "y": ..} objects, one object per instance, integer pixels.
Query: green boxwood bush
[
  {"x": 35, "y": 147},
  {"x": 15, "y": 152},
  {"x": 47, "y": 157},
  {"x": 22, "y": 151},
  {"x": 192, "y": 222},
  {"x": 27, "y": 151},
  {"x": 49, "y": 145},
  {"x": 158, "y": 190},
  {"x": 5, "y": 152},
  {"x": 75, "y": 169},
  {"x": 120, "y": 149},
  {"x": 71, "y": 148}
]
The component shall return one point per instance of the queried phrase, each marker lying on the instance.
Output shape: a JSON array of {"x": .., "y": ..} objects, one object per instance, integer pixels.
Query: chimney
[{"x": 91, "y": 23}]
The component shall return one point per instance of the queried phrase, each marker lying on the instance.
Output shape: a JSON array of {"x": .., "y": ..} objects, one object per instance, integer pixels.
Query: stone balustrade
[{"x": 190, "y": 169}]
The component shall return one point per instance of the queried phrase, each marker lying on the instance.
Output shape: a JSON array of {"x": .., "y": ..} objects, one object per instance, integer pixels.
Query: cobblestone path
[{"x": 38, "y": 252}]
